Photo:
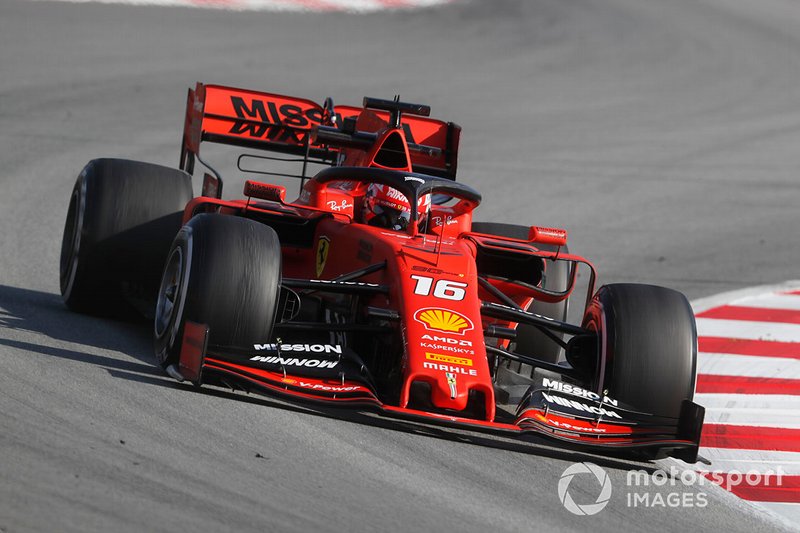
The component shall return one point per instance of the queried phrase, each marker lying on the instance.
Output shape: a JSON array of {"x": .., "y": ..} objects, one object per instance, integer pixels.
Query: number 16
[{"x": 445, "y": 289}]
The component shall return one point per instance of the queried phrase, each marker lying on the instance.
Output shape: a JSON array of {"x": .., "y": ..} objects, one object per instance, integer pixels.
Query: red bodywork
[{"x": 431, "y": 273}]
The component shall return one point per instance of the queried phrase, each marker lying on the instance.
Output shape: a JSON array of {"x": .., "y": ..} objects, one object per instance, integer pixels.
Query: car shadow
[
  {"x": 528, "y": 444},
  {"x": 45, "y": 314}
]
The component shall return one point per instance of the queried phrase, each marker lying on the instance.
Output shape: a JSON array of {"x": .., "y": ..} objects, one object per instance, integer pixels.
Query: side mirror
[
  {"x": 554, "y": 236},
  {"x": 265, "y": 191}
]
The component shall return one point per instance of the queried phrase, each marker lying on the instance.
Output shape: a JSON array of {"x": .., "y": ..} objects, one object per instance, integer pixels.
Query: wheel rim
[
  {"x": 169, "y": 294},
  {"x": 70, "y": 244}
]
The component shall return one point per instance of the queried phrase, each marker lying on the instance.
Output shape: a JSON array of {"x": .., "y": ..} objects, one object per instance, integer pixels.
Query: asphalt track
[{"x": 663, "y": 135}]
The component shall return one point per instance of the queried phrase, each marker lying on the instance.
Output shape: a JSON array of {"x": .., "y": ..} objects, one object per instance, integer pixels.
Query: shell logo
[{"x": 443, "y": 320}]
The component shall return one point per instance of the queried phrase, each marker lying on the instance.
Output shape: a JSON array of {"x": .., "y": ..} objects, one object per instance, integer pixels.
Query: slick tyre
[
  {"x": 530, "y": 340},
  {"x": 224, "y": 272},
  {"x": 650, "y": 343},
  {"x": 121, "y": 220}
]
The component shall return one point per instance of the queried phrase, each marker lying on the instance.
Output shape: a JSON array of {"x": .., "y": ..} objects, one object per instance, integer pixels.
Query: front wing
[{"x": 340, "y": 379}]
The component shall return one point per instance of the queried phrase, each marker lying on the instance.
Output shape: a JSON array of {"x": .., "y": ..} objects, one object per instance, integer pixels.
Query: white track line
[
  {"x": 352, "y": 6},
  {"x": 743, "y": 329},
  {"x": 747, "y": 401},
  {"x": 726, "y": 298},
  {"x": 722, "y": 364},
  {"x": 770, "y": 301},
  {"x": 756, "y": 460},
  {"x": 789, "y": 511},
  {"x": 780, "y": 418}
]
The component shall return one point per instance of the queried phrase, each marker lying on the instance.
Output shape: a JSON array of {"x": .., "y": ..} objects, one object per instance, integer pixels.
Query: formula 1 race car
[{"x": 375, "y": 288}]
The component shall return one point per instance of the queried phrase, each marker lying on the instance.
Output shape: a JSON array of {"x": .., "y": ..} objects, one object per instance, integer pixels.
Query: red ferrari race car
[{"x": 375, "y": 288}]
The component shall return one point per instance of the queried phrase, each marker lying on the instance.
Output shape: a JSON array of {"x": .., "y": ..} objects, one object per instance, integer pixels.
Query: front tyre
[
  {"x": 121, "y": 219},
  {"x": 222, "y": 271},
  {"x": 650, "y": 343}
]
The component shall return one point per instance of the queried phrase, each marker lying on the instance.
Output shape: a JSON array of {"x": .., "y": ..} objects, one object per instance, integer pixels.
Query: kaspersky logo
[{"x": 444, "y": 320}]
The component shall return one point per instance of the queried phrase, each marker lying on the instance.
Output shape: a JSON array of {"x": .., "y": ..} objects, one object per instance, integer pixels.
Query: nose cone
[{"x": 445, "y": 347}]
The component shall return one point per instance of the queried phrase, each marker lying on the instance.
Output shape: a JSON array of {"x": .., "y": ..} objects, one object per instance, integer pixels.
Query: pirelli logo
[{"x": 449, "y": 359}]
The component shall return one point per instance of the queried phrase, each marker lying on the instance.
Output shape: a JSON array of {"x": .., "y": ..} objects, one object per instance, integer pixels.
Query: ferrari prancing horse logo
[
  {"x": 323, "y": 246},
  {"x": 451, "y": 382}
]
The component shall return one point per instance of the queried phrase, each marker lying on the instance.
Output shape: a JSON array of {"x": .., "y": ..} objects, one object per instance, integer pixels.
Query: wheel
[
  {"x": 222, "y": 271},
  {"x": 650, "y": 340},
  {"x": 121, "y": 219},
  {"x": 530, "y": 340}
]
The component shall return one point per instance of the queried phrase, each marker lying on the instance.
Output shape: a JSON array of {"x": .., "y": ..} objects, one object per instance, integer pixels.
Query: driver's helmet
[{"x": 387, "y": 207}]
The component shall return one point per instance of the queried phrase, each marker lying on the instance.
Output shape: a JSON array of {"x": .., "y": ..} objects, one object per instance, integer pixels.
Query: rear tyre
[
  {"x": 222, "y": 271},
  {"x": 650, "y": 339},
  {"x": 121, "y": 219},
  {"x": 530, "y": 340}
]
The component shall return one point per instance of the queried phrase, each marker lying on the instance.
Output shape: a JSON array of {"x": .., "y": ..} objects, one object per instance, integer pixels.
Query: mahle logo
[{"x": 590, "y": 508}]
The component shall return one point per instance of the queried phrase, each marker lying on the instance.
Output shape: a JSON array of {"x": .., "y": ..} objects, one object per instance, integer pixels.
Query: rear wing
[{"x": 287, "y": 124}]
